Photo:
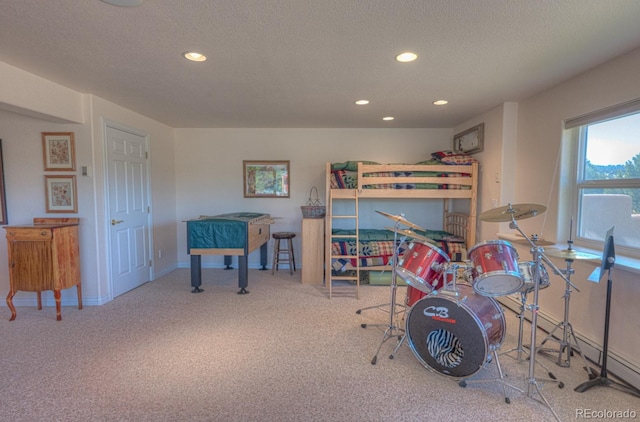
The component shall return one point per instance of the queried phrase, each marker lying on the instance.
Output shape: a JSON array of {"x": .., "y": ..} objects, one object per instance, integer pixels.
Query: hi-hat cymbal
[
  {"x": 517, "y": 211},
  {"x": 401, "y": 219},
  {"x": 570, "y": 254},
  {"x": 410, "y": 233}
]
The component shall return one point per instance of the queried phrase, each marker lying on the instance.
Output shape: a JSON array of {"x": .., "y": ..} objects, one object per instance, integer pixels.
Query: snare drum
[
  {"x": 421, "y": 266},
  {"x": 494, "y": 268},
  {"x": 526, "y": 270}
]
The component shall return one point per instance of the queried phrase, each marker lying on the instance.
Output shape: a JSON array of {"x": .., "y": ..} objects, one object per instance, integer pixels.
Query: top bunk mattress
[{"x": 430, "y": 174}]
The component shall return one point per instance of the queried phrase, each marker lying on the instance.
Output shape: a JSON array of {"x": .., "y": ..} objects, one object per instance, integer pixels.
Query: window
[{"x": 608, "y": 180}]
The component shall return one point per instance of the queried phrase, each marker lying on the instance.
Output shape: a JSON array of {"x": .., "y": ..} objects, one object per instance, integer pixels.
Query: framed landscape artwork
[{"x": 266, "y": 179}]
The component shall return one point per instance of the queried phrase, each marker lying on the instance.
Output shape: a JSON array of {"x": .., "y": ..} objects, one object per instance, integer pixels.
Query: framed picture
[
  {"x": 469, "y": 141},
  {"x": 58, "y": 151},
  {"x": 3, "y": 198},
  {"x": 266, "y": 179},
  {"x": 61, "y": 193}
]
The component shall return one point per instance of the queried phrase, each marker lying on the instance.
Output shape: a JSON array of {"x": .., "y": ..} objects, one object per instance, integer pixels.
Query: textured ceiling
[{"x": 303, "y": 63}]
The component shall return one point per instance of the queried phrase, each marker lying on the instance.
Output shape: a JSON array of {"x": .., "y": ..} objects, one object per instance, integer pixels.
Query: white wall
[
  {"x": 538, "y": 179},
  {"x": 209, "y": 172},
  {"x": 31, "y": 112}
]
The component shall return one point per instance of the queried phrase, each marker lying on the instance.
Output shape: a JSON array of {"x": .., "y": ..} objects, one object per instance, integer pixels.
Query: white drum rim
[
  {"x": 512, "y": 275},
  {"x": 492, "y": 242}
]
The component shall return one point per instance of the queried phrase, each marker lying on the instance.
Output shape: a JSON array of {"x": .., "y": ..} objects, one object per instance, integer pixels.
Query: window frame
[{"x": 579, "y": 139}]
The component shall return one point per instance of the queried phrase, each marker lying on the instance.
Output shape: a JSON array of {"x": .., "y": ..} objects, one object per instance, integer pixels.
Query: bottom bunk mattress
[{"x": 375, "y": 247}]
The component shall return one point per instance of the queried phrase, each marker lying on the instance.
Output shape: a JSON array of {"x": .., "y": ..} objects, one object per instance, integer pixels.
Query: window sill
[{"x": 624, "y": 263}]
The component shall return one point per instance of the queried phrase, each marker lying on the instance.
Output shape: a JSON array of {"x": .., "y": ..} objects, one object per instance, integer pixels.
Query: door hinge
[
  {"x": 146, "y": 155},
  {"x": 150, "y": 263}
]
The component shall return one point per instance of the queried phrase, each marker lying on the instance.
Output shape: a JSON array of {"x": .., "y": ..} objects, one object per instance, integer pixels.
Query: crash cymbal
[
  {"x": 570, "y": 254},
  {"x": 400, "y": 219},
  {"x": 518, "y": 211},
  {"x": 410, "y": 233}
]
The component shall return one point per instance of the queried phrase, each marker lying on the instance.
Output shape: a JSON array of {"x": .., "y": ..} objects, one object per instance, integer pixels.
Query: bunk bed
[{"x": 455, "y": 178}]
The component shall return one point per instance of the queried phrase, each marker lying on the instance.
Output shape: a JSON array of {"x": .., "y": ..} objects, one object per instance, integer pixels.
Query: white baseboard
[
  {"x": 616, "y": 365},
  {"x": 158, "y": 274}
]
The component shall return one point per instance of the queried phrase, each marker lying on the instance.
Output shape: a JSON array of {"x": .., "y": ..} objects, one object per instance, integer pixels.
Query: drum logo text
[{"x": 439, "y": 313}]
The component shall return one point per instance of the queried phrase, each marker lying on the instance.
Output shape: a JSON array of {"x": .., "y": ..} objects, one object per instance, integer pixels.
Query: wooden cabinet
[
  {"x": 44, "y": 256},
  {"x": 312, "y": 250}
]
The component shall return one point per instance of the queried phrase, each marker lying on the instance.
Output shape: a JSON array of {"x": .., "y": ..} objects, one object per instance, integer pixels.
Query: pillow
[
  {"x": 459, "y": 159},
  {"x": 456, "y": 158},
  {"x": 428, "y": 162},
  {"x": 438, "y": 155},
  {"x": 349, "y": 165}
]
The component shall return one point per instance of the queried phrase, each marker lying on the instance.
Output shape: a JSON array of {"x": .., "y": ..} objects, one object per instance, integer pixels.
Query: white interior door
[{"x": 128, "y": 209}]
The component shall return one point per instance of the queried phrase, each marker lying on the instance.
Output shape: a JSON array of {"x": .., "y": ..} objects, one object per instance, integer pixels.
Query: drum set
[{"x": 453, "y": 323}]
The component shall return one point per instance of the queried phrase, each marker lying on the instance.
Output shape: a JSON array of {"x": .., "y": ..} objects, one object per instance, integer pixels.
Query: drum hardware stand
[
  {"x": 463, "y": 383},
  {"x": 533, "y": 387},
  {"x": 391, "y": 329},
  {"x": 608, "y": 262},
  {"x": 445, "y": 290},
  {"x": 566, "y": 345},
  {"x": 520, "y": 347}
]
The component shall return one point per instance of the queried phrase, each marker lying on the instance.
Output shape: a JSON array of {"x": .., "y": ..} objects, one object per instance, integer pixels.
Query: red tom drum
[
  {"x": 421, "y": 266},
  {"x": 494, "y": 268}
]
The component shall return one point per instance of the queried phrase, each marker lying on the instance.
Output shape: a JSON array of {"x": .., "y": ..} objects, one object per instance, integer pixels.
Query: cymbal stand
[
  {"x": 566, "y": 346},
  {"x": 391, "y": 329},
  {"x": 534, "y": 386},
  {"x": 394, "y": 260}
]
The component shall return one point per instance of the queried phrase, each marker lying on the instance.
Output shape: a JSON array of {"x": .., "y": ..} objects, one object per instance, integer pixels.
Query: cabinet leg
[
  {"x": 39, "y": 296},
  {"x": 10, "y": 304},
  {"x": 56, "y": 295},
  {"x": 79, "y": 296}
]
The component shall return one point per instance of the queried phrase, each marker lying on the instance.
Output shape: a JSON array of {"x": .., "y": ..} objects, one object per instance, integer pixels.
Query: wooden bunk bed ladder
[{"x": 332, "y": 197}]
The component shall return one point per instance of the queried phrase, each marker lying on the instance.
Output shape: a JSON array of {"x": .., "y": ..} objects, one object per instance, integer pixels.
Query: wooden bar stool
[{"x": 283, "y": 255}]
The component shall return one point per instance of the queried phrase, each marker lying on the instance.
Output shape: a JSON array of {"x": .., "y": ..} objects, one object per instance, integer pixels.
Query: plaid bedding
[
  {"x": 380, "y": 252},
  {"x": 346, "y": 179}
]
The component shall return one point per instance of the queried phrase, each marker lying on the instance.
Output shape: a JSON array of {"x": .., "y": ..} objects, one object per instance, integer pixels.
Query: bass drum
[{"x": 454, "y": 335}]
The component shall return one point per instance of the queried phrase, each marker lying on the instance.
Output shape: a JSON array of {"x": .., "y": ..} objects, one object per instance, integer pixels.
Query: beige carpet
[{"x": 284, "y": 352}]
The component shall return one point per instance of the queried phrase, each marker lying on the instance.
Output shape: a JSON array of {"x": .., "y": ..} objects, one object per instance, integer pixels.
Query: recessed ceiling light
[
  {"x": 194, "y": 57},
  {"x": 124, "y": 3},
  {"x": 388, "y": 118},
  {"x": 440, "y": 102},
  {"x": 407, "y": 56},
  {"x": 362, "y": 102}
]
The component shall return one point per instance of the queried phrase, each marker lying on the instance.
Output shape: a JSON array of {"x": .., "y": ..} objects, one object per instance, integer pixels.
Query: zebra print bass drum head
[{"x": 454, "y": 335}]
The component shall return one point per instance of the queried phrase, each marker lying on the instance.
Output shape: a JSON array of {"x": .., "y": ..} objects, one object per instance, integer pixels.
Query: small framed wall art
[
  {"x": 470, "y": 141},
  {"x": 266, "y": 179},
  {"x": 58, "y": 150},
  {"x": 61, "y": 193},
  {"x": 3, "y": 198}
]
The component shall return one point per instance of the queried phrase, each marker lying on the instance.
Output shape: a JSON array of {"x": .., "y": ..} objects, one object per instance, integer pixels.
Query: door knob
[{"x": 114, "y": 222}]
